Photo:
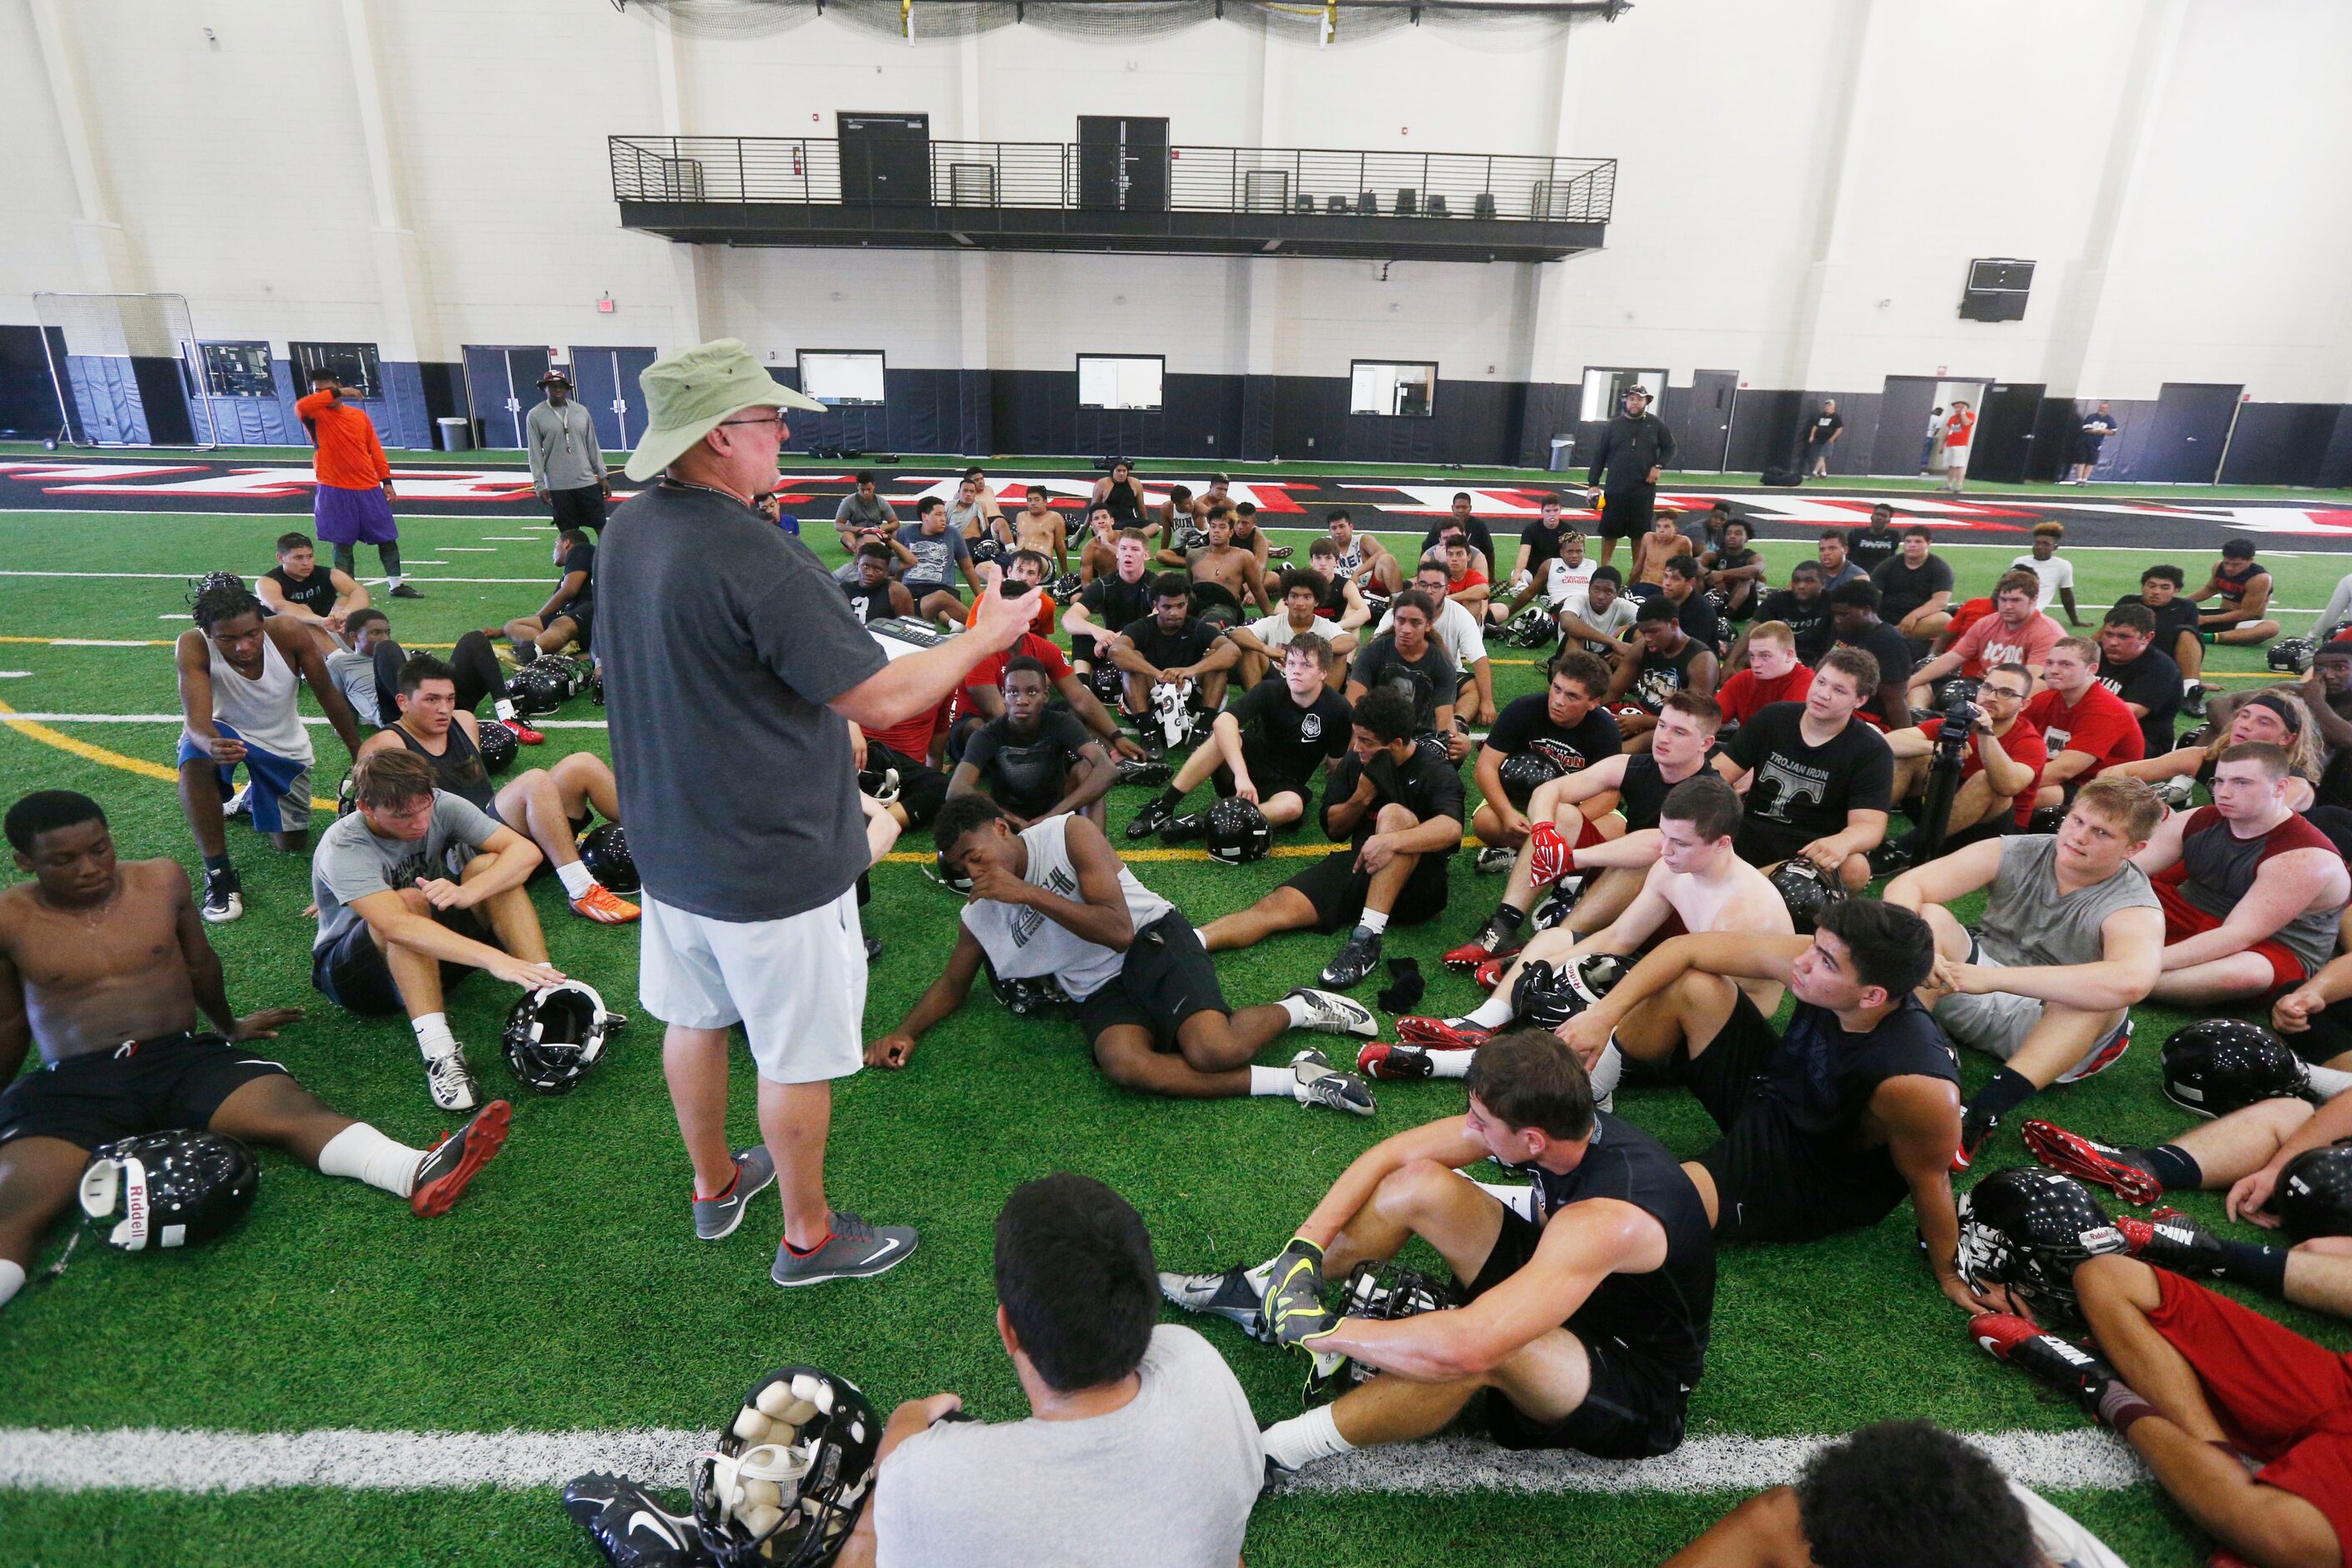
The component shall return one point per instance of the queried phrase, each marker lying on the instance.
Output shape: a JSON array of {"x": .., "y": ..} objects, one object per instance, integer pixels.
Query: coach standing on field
[
  {"x": 1633, "y": 451},
  {"x": 567, "y": 467},
  {"x": 733, "y": 667}
]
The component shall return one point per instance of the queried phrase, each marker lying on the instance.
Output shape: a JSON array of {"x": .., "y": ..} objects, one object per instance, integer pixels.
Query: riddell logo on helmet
[{"x": 134, "y": 1203}]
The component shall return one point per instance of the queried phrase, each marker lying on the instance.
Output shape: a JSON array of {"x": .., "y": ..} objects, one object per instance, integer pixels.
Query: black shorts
[
  {"x": 583, "y": 508},
  {"x": 1773, "y": 1180},
  {"x": 1167, "y": 978},
  {"x": 1627, "y": 516},
  {"x": 922, "y": 789},
  {"x": 178, "y": 1080},
  {"x": 1635, "y": 1406},
  {"x": 1337, "y": 890},
  {"x": 1267, "y": 777},
  {"x": 921, "y": 591},
  {"x": 350, "y": 971}
]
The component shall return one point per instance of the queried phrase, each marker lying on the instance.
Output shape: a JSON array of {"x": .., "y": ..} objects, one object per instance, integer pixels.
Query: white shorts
[
  {"x": 797, "y": 985},
  {"x": 1956, "y": 459}
]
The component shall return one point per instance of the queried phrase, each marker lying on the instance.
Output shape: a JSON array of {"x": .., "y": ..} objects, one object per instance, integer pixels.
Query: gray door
[
  {"x": 2192, "y": 425},
  {"x": 1704, "y": 437},
  {"x": 605, "y": 381},
  {"x": 501, "y": 384},
  {"x": 1902, "y": 440}
]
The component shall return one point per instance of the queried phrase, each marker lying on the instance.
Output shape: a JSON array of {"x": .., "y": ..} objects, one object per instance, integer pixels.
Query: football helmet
[
  {"x": 347, "y": 793},
  {"x": 948, "y": 877},
  {"x": 2292, "y": 654},
  {"x": 2027, "y": 1228},
  {"x": 791, "y": 1473},
  {"x": 1191, "y": 537},
  {"x": 1720, "y": 600},
  {"x": 1384, "y": 1290},
  {"x": 605, "y": 850},
  {"x": 1106, "y": 679},
  {"x": 2216, "y": 1065},
  {"x": 198, "y": 586},
  {"x": 1024, "y": 998},
  {"x": 1557, "y": 903},
  {"x": 1065, "y": 588},
  {"x": 174, "y": 1188},
  {"x": 1531, "y": 627},
  {"x": 1806, "y": 891},
  {"x": 882, "y": 784},
  {"x": 1523, "y": 771},
  {"x": 538, "y": 687},
  {"x": 575, "y": 671},
  {"x": 554, "y": 1035},
  {"x": 1547, "y": 997},
  {"x": 1953, "y": 690},
  {"x": 2177, "y": 792},
  {"x": 498, "y": 745},
  {"x": 2314, "y": 1195},
  {"x": 1237, "y": 832},
  {"x": 2046, "y": 819},
  {"x": 984, "y": 549},
  {"x": 1172, "y": 710}
]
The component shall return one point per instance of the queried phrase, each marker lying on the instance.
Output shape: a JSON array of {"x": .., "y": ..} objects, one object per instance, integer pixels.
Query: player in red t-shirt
[
  {"x": 2007, "y": 738},
  {"x": 2087, "y": 728},
  {"x": 1772, "y": 674}
]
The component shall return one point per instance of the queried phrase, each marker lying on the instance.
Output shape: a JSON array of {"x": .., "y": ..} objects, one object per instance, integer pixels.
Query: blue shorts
[{"x": 281, "y": 786}]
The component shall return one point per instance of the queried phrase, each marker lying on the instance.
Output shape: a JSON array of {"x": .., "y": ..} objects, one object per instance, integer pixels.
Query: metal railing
[{"x": 814, "y": 171}]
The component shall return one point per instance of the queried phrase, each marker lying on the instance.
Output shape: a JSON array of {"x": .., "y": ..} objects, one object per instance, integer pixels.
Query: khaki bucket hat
[{"x": 686, "y": 393}]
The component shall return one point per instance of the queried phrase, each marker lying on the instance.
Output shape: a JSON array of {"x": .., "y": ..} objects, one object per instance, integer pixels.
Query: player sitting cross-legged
[{"x": 1268, "y": 749}]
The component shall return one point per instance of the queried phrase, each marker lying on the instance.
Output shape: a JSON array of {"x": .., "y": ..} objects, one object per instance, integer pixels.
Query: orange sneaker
[{"x": 600, "y": 904}]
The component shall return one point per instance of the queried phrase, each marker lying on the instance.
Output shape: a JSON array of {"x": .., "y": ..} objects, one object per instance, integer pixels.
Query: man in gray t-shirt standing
[
  {"x": 732, "y": 670},
  {"x": 2072, "y": 936}
]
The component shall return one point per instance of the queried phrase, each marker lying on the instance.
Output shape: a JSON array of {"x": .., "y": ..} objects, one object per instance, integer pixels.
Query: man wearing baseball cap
[
  {"x": 1633, "y": 452},
  {"x": 733, "y": 670},
  {"x": 567, "y": 467}
]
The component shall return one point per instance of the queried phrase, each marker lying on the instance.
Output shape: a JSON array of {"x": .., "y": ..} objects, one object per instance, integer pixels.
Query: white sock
[
  {"x": 364, "y": 1155},
  {"x": 1372, "y": 921},
  {"x": 12, "y": 1279},
  {"x": 392, "y": 581},
  {"x": 433, "y": 1035},
  {"x": 503, "y": 708},
  {"x": 576, "y": 880},
  {"x": 1493, "y": 1012},
  {"x": 1301, "y": 1011},
  {"x": 2330, "y": 1081},
  {"x": 1203, "y": 933},
  {"x": 1269, "y": 1082},
  {"x": 1303, "y": 1439},
  {"x": 2189, "y": 683},
  {"x": 1606, "y": 1071},
  {"x": 1450, "y": 1064}
]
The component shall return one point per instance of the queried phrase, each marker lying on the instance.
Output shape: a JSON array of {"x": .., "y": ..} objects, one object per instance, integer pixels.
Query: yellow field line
[{"x": 104, "y": 758}]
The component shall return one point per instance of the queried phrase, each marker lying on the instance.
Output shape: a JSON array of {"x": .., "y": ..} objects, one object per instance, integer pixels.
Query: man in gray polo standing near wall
[
  {"x": 732, "y": 662},
  {"x": 567, "y": 467}
]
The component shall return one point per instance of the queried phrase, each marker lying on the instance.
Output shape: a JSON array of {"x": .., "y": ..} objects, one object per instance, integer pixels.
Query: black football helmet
[
  {"x": 1382, "y": 1290},
  {"x": 197, "y": 586},
  {"x": 172, "y": 1188},
  {"x": 1806, "y": 891},
  {"x": 1067, "y": 587},
  {"x": 984, "y": 549},
  {"x": 1190, "y": 537},
  {"x": 538, "y": 687},
  {"x": 2027, "y": 1228},
  {"x": 347, "y": 795},
  {"x": 555, "y": 1035},
  {"x": 948, "y": 877},
  {"x": 1023, "y": 998},
  {"x": 1237, "y": 832},
  {"x": 1557, "y": 903},
  {"x": 1531, "y": 627},
  {"x": 1523, "y": 771},
  {"x": 1106, "y": 679},
  {"x": 605, "y": 850},
  {"x": 1720, "y": 600},
  {"x": 1957, "y": 689},
  {"x": 1433, "y": 746},
  {"x": 497, "y": 746},
  {"x": 2314, "y": 1195},
  {"x": 791, "y": 1472},
  {"x": 2292, "y": 654},
  {"x": 2216, "y": 1065},
  {"x": 1547, "y": 997}
]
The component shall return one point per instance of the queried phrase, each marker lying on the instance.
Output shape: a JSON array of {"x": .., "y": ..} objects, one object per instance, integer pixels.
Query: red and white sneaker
[
  {"x": 1442, "y": 1034},
  {"x": 2088, "y": 1160},
  {"x": 2109, "y": 1052},
  {"x": 450, "y": 1166},
  {"x": 601, "y": 904},
  {"x": 1489, "y": 974},
  {"x": 1549, "y": 856},
  {"x": 2063, "y": 1364},
  {"x": 1394, "y": 1063},
  {"x": 1489, "y": 942},
  {"x": 523, "y": 733}
]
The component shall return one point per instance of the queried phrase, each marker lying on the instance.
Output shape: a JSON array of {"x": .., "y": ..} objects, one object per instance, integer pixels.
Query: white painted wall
[{"x": 1801, "y": 186}]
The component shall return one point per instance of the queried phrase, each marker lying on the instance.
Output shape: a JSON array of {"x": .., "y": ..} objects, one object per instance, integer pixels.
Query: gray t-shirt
[
  {"x": 723, "y": 638},
  {"x": 857, "y": 512},
  {"x": 353, "y": 861},
  {"x": 354, "y": 676},
  {"x": 2027, "y": 922},
  {"x": 935, "y": 556},
  {"x": 1165, "y": 1482}
]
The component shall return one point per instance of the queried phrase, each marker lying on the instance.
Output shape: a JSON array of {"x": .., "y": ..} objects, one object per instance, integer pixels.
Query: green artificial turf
[{"x": 567, "y": 1290}]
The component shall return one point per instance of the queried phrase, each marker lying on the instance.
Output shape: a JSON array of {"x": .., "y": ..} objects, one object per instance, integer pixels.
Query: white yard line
[
  {"x": 155, "y": 1459},
  {"x": 176, "y": 718}
]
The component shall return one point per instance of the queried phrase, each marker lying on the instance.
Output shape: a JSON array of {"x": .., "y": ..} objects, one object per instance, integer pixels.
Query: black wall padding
[
  {"x": 2335, "y": 464},
  {"x": 445, "y": 389},
  {"x": 164, "y": 396},
  {"x": 2055, "y": 425},
  {"x": 1762, "y": 435},
  {"x": 1549, "y": 409},
  {"x": 1257, "y": 417},
  {"x": 2279, "y": 443},
  {"x": 28, "y": 398}
]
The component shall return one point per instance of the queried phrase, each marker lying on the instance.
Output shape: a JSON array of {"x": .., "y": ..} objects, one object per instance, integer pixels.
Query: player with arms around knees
[
  {"x": 1262, "y": 641},
  {"x": 308, "y": 596},
  {"x": 1585, "y": 1297},
  {"x": 1037, "y": 762},
  {"x": 1269, "y": 747},
  {"x": 104, "y": 968},
  {"x": 1173, "y": 645}
]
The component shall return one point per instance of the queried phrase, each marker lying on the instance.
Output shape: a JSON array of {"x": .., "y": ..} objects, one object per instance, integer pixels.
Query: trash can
[
  {"x": 1563, "y": 454},
  {"x": 457, "y": 435}
]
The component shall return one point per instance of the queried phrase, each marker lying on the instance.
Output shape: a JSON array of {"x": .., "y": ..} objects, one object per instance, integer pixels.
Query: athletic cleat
[
  {"x": 1335, "y": 1014},
  {"x": 240, "y": 803},
  {"x": 1976, "y": 1127},
  {"x": 1442, "y": 1034},
  {"x": 1494, "y": 859},
  {"x": 715, "y": 1219},
  {"x": 2064, "y": 1365},
  {"x": 1888, "y": 859},
  {"x": 2109, "y": 1052},
  {"x": 451, "y": 1082},
  {"x": 2102, "y": 1164},
  {"x": 450, "y": 1166},
  {"x": 224, "y": 897},
  {"x": 604, "y": 906},
  {"x": 1357, "y": 957},
  {"x": 522, "y": 732},
  {"x": 2171, "y": 1240},
  {"x": 1490, "y": 940},
  {"x": 1395, "y": 1063},
  {"x": 1151, "y": 819},
  {"x": 1330, "y": 1088},
  {"x": 1276, "y": 1473},
  {"x": 1185, "y": 828},
  {"x": 630, "y": 1526},
  {"x": 1489, "y": 974},
  {"x": 1233, "y": 1296},
  {"x": 407, "y": 591},
  {"x": 2192, "y": 700},
  {"x": 855, "y": 1251},
  {"x": 1149, "y": 773},
  {"x": 1549, "y": 856}
]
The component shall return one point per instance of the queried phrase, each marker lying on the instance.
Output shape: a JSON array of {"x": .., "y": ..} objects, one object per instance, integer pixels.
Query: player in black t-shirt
[
  {"x": 1818, "y": 781},
  {"x": 318, "y": 597},
  {"x": 1172, "y": 644},
  {"x": 1475, "y": 532},
  {"x": 1565, "y": 726},
  {"x": 1667, "y": 659},
  {"x": 1402, "y": 814},
  {"x": 1117, "y": 598},
  {"x": 876, "y": 596},
  {"x": 1914, "y": 589},
  {"x": 1034, "y": 761},
  {"x": 1735, "y": 571},
  {"x": 1872, "y": 547},
  {"x": 1853, "y": 616},
  {"x": 2176, "y": 617},
  {"x": 1267, "y": 747},
  {"x": 1540, "y": 544},
  {"x": 1408, "y": 659},
  {"x": 1821, "y": 432},
  {"x": 2131, "y": 667},
  {"x": 1803, "y": 607},
  {"x": 1680, "y": 588},
  {"x": 569, "y": 612},
  {"x": 1827, "y": 1127}
]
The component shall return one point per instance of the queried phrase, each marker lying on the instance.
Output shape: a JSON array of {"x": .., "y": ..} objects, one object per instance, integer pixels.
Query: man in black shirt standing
[
  {"x": 1803, "y": 607},
  {"x": 1268, "y": 747},
  {"x": 1821, "y": 432},
  {"x": 1872, "y": 547},
  {"x": 1818, "y": 781},
  {"x": 1565, "y": 726},
  {"x": 1172, "y": 644},
  {"x": 1408, "y": 659},
  {"x": 1854, "y": 616},
  {"x": 1033, "y": 760},
  {"x": 1402, "y": 814},
  {"x": 2131, "y": 667},
  {"x": 1633, "y": 452},
  {"x": 1914, "y": 587}
]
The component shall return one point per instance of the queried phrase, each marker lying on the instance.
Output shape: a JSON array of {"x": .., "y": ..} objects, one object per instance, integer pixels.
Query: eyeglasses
[{"x": 771, "y": 419}]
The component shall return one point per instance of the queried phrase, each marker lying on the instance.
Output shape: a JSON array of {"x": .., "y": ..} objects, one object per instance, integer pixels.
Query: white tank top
[
  {"x": 260, "y": 710},
  {"x": 1024, "y": 945}
]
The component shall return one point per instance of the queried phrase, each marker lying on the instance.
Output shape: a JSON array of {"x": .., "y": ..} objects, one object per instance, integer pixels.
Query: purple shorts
[{"x": 352, "y": 517}]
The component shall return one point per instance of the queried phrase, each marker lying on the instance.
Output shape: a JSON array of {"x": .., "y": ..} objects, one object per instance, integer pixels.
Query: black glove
[{"x": 1408, "y": 989}]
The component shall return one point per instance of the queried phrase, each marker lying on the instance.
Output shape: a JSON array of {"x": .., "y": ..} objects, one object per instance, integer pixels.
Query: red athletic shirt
[
  {"x": 1743, "y": 694},
  {"x": 2025, "y": 745},
  {"x": 2099, "y": 724}
]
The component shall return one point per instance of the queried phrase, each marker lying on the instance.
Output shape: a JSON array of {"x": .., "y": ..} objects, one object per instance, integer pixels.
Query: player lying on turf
[
  {"x": 2247, "y": 1425},
  {"x": 2071, "y": 937},
  {"x": 1400, "y": 811},
  {"x": 1585, "y": 1297},
  {"x": 416, "y": 889},
  {"x": 1699, "y": 884},
  {"x": 238, "y": 676},
  {"x": 320, "y": 598},
  {"x": 1900, "y": 1491},
  {"x": 552, "y": 805},
  {"x": 569, "y": 616},
  {"x": 1033, "y": 760},
  {"x": 368, "y": 674},
  {"x": 104, "y": 967},
  {"x": 1828, "y": 1126},
  {"x": 1052, "y": 902},
  {"x": 1267, "y": 749},
  {"x": 1817, "y": 781}
]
